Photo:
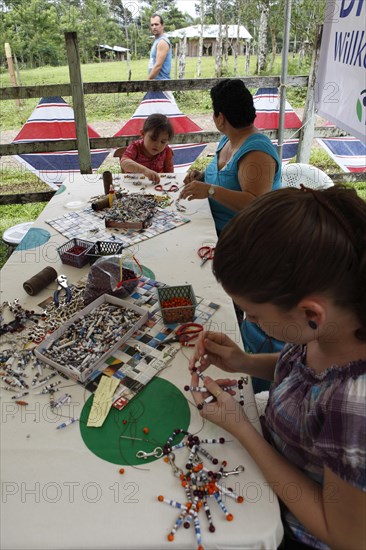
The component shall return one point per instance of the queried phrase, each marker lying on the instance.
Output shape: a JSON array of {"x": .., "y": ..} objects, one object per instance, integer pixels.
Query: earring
[{"x": 312, "y": 324}]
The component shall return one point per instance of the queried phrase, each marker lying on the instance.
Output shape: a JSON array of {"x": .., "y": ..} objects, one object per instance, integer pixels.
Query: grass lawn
[
  {"x": 113, "y": 107},
  {"x": 106, "y": 107}
]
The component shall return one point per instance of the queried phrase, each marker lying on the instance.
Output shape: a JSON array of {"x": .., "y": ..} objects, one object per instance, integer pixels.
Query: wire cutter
[
  {"x": 162, "y": 187},
  {"x": 206, "y": 253},
  {"x": 184, "y": 334},
  {"x": 62, "y": 285}
]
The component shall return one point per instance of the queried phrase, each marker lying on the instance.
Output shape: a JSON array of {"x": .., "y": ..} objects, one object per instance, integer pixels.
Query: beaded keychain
[{"x": 199, "y": 483}]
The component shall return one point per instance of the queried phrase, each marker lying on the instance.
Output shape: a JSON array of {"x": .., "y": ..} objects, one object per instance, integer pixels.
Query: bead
[
  {"x": 121, "y": 471},
  {"x": 146, "y": 430}
]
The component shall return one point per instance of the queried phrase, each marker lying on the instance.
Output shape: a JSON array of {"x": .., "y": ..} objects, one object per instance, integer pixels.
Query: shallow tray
[{"x": 71, "y": 371}]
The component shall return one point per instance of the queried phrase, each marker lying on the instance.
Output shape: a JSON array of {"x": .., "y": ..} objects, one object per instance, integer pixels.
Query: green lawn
[
  {"x": 117, "y": 106},
  {"x": 113, "y": 107}
]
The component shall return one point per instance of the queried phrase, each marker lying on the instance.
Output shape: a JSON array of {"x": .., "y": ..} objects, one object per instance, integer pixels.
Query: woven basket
[
  {"x": 78, "y": 259},
  {"x": 180, "y": 314}
]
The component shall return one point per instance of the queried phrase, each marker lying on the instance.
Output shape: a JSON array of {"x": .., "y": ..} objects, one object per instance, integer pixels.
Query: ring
[{"x": 217, "y": 393}]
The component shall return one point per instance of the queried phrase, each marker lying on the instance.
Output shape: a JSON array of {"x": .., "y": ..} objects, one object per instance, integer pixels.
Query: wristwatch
[{"x": 211, "y": 191}]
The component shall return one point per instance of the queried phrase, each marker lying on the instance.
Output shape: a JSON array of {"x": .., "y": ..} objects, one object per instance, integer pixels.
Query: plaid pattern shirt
[{"x": 316, "y": 420}]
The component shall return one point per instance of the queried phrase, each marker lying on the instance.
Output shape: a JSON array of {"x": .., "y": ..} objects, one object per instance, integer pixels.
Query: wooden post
[
  {"x": 9, "y": 60},
  {"x": 77, "y": 91},
  {"x": 176, "y": 61},
  {"x": 308, "y": 119},
  {"x": 17, "y": 70}
]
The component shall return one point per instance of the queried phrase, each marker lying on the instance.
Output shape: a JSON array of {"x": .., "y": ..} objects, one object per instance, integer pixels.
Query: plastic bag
[{"x": 113, "y": 275}]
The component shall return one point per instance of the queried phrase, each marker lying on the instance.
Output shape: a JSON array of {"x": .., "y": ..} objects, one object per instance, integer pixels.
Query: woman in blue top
[{"x": 246, "y": 163}]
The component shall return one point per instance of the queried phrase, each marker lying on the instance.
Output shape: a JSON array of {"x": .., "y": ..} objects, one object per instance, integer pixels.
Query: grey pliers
[{"x": 62, "y": 285}]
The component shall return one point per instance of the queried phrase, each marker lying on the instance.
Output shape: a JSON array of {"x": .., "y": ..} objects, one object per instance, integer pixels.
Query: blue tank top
[
  {"x": 164, "y": 73},
  {"x": 228, "y": 176}
]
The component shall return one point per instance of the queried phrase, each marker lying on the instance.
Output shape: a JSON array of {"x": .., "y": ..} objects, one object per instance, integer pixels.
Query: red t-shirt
[{"x": 163, "y": 162}]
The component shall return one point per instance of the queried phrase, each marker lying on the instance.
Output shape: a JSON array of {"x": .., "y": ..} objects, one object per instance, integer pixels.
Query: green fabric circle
[
  {"x": 147, "y": 272},
  {"x": 61, "y": 189},
  {"x": 161, "y": 407}
]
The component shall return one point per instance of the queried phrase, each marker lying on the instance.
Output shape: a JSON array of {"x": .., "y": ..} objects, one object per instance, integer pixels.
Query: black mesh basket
[{"x": 104, "y": 248}]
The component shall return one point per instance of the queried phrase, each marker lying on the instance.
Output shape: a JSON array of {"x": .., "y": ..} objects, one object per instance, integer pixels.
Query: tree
[{"x": 262, "y": 36}]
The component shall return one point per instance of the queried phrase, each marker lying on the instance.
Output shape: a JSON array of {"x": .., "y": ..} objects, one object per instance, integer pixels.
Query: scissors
[
  {"x": 206, "y": 253},
  {"x": 162, "y": 187},
  {"x": 185, "y": 333},
  {"x": 62, "y": 285}
]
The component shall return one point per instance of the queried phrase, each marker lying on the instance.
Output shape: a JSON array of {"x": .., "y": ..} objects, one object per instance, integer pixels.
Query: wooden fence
[{"x": 77, "y": 89}]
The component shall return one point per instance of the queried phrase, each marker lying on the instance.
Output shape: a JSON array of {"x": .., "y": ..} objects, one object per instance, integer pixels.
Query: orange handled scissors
[
  {"x": 185, "y": 333},
  {"x": 206, "y": 253}
]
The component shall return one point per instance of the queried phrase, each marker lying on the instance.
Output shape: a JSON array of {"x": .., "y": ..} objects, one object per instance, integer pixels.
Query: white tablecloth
[{"x": 56, "y": 494}]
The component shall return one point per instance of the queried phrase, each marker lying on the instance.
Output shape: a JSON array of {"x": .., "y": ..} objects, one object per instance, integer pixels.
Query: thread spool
[
  {"x": 107, "y": 181},
  {"x": 101, "y": 203},
  {"x": 40, "y": 281}
]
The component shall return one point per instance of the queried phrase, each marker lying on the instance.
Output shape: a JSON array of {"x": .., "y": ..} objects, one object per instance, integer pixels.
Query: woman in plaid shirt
[{"x": 295, "y": 261}]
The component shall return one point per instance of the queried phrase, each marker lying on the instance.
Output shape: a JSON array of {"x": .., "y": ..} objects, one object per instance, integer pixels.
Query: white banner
[{"x": 341, "y": 81}]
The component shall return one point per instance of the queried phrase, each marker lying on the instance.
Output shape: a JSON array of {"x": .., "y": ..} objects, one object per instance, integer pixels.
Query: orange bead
[
  {"x": 170, "y": 537},
  {"x": 121, "y": 471},
  {"x": 146, "y": 430},
  {"x": 160, "y": 498},
  {"x": 230, "y": 517},
  {"x": 166, "y": 459},
  {"x": 240, "y": 500}
]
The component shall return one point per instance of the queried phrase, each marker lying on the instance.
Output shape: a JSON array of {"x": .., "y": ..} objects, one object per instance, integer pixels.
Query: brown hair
[
  {"x": 292, "y": 242},
  {"x": 156, "y": 124}
]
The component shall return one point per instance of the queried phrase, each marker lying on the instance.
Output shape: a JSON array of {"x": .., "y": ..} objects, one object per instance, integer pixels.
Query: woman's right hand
[
  {"x": 193, "y": 175},
  {"x": 215, "y": 348}
]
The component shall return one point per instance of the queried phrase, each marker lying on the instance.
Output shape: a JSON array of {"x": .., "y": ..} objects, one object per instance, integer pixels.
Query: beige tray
[{"x": 71, "y": 371}]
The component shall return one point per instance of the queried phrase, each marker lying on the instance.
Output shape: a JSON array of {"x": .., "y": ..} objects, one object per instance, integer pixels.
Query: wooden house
[{"x": 236, "y": 34}]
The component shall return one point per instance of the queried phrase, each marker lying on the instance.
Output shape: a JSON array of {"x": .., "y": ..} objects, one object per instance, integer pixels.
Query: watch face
[{"x": 211, "y": 191}]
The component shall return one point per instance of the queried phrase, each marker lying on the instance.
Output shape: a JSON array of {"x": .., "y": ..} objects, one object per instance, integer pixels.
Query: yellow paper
[{"x": 102, "y": 402}]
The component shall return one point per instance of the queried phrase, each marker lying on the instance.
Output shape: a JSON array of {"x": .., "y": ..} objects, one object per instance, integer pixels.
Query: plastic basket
[
  {"x": 71, "y": 256},
  {"x": 103, "y": 248},
  {"x": 181, "y": 313}
]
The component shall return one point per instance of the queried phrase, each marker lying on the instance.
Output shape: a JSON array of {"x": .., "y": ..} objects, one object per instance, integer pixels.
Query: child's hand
[{"x": 152, "y": 176}]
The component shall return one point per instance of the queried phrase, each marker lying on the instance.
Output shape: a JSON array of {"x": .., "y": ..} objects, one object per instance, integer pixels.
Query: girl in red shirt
[{"x": 150, "y": 155}]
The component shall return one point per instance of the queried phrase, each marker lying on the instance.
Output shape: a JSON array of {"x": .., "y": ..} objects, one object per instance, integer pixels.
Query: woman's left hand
[
  {"x": 225, "y": 411},
  {"x": 195, "y": 190}
]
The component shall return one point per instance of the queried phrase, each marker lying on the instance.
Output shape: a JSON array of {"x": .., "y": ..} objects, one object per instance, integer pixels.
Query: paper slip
[{"x": 102, "y": 402}]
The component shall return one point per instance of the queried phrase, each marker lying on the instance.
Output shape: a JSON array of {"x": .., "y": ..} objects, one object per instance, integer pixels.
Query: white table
[{"x": 56, "y": 494}]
